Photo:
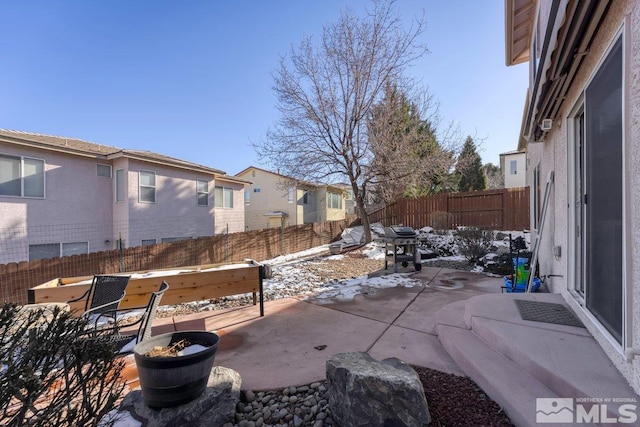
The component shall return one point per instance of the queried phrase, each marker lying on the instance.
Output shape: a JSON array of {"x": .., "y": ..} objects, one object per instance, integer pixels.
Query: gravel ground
[{"x": 453, "y": 400}]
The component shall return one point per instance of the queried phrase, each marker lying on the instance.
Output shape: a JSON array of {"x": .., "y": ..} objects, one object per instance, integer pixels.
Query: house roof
[
  {"x": 284, "y": 177},
  {"x": 288, "y": 178},
  {"x": 509, "y": 153},
  {"x": 80, "y": 147},
  {"x": 518, "y": 26}
]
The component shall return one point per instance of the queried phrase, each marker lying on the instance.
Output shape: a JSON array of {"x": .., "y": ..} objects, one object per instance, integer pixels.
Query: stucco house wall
[
  {"x": 229, "y": 220},
  {"x": 66, "y": 202},
  {"x": 517, "y": 179},
  {"x": 81, "y": 207},
  {"x": 175, "y": 213},
  {"x": 330, "y": 213},
  {"x": 266, "y": 195},
  {"x": 553, "y": 155}
]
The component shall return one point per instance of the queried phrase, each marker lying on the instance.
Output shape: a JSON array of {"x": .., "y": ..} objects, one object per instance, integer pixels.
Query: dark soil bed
[{"x": 458, "y": 401}]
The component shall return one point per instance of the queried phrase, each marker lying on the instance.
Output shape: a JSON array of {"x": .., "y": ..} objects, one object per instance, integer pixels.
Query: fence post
[
  {"x": 121, "y": 252},
  {"x": 228, "y": 249},
  {"x": 282, "y": 236}
]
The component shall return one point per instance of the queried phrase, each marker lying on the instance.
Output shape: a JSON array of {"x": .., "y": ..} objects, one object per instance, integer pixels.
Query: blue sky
[{"x": 193, "y": 79}]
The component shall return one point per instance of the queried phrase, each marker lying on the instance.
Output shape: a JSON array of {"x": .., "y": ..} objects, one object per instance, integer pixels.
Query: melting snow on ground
[{"x": 347, "y": 290}]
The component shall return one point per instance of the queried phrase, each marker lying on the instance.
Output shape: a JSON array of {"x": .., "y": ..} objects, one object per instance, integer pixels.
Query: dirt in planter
[{"x": 168, "y": 351}]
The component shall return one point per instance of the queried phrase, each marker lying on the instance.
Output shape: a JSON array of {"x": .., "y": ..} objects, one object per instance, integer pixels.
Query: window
[
  {"x": 513, "y": 167},
  {"x": 247, "y": 197},
  {"x": 21, "y": 176},
  {"x": 147, "y": 190},
  {"x": 203, "y": 192},
  {"x": 75, "y": 248},
  {"x": 148, "y": 242},
  {"x": 120, "y": 185},
  {"x": 104, "y": 170},
  {"x": 50, "y": 250},
  {"x": 305, "y": 197},
  {"x": 56, "y": 250},
  {"x": 223, "y": 197},
  {"x": 334, "y": 201},
  {"x": 291, "y": 195},
  {"x": 256, "y": 190},
  {"x": 174, "y": 239},
  {"x": 349, "y": 194}
]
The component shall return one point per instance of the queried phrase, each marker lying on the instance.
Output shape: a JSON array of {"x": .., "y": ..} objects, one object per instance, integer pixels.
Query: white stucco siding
[
  {"x": 230, "y": 220},
  {"x": 175, "y": 212},
  {"x": 517, "y": 179},
  {"x": 553, "y": 154},
  {"x": 71, "y": 211}
]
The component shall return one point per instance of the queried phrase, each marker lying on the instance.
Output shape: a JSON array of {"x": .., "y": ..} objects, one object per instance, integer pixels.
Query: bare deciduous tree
[
  {"x": 493, "y": 176},
  {"x": 325, "y": 93}
]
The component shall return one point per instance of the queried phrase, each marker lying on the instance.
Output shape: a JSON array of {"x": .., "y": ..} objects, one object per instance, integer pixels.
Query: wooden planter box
[{"x": 192, "y": 283}]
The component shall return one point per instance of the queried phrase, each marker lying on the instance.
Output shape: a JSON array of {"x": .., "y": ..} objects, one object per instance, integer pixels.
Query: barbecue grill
[{"x": 401, "y": 244}]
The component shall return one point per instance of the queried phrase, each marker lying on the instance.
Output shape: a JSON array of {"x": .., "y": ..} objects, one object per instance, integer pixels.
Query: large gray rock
[
  {"x": 215, "y": 407},
  {"x": 365, "y": 392}
]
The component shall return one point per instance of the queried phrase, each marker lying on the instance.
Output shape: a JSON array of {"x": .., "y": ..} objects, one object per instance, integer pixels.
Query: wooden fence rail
[{"x": 504, "y": 209}]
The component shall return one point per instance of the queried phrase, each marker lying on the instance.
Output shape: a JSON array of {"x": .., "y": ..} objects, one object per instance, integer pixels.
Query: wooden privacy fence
[
  {"x": 259, "y": 245},
  {"x": 503, "y": 209}
]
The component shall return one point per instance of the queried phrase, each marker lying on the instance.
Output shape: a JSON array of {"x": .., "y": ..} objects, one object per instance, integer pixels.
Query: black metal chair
[
  {"x": 124, "y": 343},
  {"x": 105, "y": 294}
]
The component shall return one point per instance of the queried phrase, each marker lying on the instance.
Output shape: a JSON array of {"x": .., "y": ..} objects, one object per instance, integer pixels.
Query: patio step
[
  {"x": 516, "y": 361},
  {"x": 510, "y": 387}
]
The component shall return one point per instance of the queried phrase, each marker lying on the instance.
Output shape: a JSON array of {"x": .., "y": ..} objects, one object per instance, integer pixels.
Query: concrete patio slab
[
  {"x": 290, "y": 345},
  {"x": 421, "y": 313},
  {"x": 479, "y": 333},
  {"x": 416, "y": 348},
  {"x": 383, "y": 305}
]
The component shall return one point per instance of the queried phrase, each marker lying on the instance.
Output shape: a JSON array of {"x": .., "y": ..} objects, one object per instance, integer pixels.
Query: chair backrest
[
  {"x": 150, "y": 313},
  {"x": 105, "y": 289}
]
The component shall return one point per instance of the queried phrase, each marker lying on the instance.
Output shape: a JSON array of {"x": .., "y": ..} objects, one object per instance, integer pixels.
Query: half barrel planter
[{"x": 171, "y": 381}]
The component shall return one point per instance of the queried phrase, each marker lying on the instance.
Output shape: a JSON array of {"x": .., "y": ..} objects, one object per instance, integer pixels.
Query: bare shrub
[
  {"x": 51, "y": 374},
  {"x": 441, "y": 242},
  {"x": 474, "y": 243},
  {"x": 440, "y": 220}
]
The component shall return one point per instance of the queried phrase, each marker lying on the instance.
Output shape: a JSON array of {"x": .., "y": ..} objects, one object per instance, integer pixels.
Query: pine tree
[
  {"x": 408, "y": 160},
  {"x": 469, "y": 168}
]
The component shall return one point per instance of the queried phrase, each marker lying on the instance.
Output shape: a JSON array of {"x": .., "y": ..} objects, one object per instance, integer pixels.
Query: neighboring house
[
  {"x": 274, "y": 200},
  {"x": 349, "y": 201},
  {"x": 513, "y": 165},
  {"x": 582, "y": 122},
  {"x": 64, "y": 196}
]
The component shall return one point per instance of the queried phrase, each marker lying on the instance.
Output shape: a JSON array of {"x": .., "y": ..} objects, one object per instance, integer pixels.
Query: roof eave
[{"x": 518, "y": 18}]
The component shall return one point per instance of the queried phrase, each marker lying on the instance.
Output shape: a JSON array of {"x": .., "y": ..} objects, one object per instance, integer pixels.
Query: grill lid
[{"x": 399, "y": 231}]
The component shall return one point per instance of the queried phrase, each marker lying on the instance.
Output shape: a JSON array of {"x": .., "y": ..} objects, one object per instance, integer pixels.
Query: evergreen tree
[
  {"x": 469, "y": 169},
  {"x": 408, "y": 160}
]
